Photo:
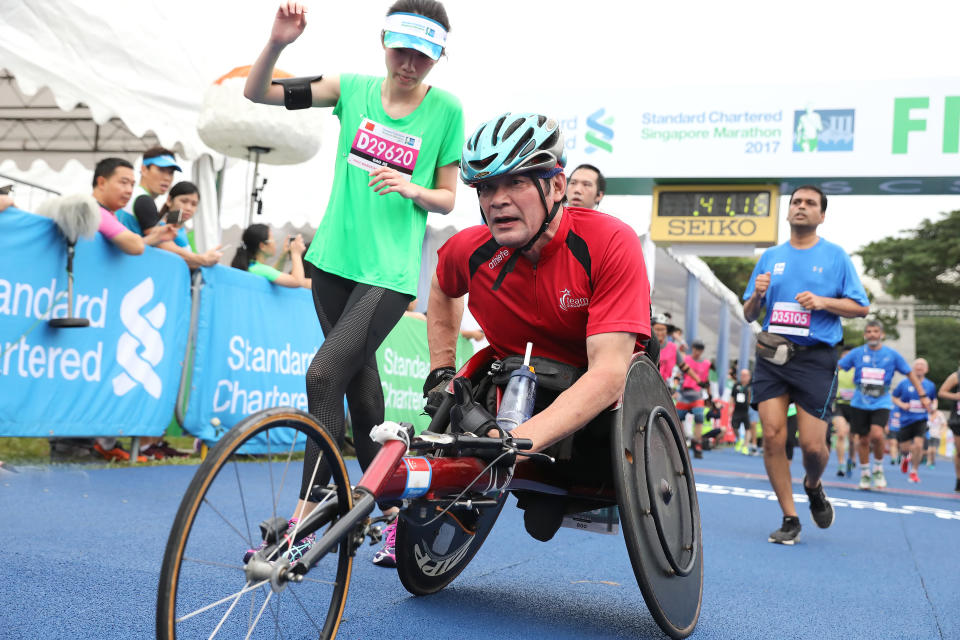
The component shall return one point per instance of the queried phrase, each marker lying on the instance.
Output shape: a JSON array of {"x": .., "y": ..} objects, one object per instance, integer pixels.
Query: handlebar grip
[{"x": 523, "y": 444}]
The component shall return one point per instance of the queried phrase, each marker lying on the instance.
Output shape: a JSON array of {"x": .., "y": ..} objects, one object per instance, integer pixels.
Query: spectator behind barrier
[
  {"x": 6, "y": 200},
  {"x": 185, "y": 197},
  {"x": 258, "y": 245},
  {"x": 156, "y": 176},
  {"x": 112, "y": 186}
]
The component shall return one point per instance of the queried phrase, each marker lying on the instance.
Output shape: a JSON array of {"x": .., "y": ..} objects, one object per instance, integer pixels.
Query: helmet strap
[{"x": 512, "y": 260}]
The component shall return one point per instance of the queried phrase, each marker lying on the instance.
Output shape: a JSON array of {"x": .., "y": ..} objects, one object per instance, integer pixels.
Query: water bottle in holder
[{"x": 516, "y": 406}]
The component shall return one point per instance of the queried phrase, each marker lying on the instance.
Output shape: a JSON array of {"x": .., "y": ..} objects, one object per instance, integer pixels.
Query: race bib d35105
[
  {"x": 789, "y": 318},
  {"x": 376, "y": 146}
]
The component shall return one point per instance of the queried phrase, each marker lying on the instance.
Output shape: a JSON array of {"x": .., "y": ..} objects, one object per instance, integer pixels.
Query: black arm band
[{"x": 296, "y": 91}]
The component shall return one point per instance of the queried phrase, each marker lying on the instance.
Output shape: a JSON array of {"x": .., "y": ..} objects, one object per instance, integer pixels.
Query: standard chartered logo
[
  {"x": 600, "y": 133},
  {"x": 141, "y": 333}
]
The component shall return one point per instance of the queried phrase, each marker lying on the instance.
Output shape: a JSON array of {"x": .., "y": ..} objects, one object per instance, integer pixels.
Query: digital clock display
[
  {"x": 714, "y": 203},
  {"x": 729, "y": 214}
]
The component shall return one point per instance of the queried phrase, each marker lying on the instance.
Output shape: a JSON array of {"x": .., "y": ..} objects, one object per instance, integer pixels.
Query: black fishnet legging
[{"x": 355, "y": 319}]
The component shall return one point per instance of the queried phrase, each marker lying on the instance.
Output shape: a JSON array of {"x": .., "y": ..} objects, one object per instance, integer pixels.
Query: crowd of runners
[{"x": 871, "y": 415}]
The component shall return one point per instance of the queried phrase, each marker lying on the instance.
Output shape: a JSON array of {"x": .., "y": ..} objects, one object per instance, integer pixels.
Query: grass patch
[
  {"x": 24, "y": 450},
  {"x": 36, "y": 451}
]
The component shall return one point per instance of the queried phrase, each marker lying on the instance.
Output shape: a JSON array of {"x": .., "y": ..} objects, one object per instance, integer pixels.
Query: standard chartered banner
[
  {"x": 864, "y": 137},
  {"x": 404, "y": 363},
  {"x": 118, "y": 376},
  {"x": 254, "y": 344}
]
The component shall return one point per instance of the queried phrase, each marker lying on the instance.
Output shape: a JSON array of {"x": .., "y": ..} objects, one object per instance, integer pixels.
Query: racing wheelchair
[{"x": 450, "y": 485}]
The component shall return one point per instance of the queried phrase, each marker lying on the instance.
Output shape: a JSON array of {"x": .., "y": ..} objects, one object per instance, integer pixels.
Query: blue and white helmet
[{"x": 513, "y": 143}]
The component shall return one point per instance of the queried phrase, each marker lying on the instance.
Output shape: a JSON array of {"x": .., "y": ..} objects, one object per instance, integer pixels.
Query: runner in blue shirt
[
  {"x": 806, "y": 286},
  {"x": 874, "y": 366},
  {"x": 913, "y": 417}
]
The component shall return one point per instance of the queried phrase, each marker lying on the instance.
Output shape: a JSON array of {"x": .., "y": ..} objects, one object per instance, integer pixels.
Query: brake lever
[{"x": 537, "y": 456}]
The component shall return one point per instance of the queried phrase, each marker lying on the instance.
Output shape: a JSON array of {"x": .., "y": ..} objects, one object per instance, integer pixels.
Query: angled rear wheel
[{"x": 658, "y": 504}]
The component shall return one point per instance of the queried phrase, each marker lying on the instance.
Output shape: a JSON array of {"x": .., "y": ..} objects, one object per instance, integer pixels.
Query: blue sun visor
[{"x": 413, "y": 31}]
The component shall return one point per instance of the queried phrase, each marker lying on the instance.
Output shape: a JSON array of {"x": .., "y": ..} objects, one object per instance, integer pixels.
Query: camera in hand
[{"x": 174, "y": 216}]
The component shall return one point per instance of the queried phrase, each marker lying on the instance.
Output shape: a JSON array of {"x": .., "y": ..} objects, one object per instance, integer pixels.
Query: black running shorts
[
  {"x": 844, "y": 409},
  {"x": 913, "y": 430},
  {"x": 861, "y": 419},
  {"x": 809, "y": 378}
]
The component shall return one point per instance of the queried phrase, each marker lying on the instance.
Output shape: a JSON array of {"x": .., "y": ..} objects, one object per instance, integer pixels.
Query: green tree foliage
[
  {"x": 733, "y": 272},
  {"x": 924, "y": 264},
  {"x": 938, "y": 340}
]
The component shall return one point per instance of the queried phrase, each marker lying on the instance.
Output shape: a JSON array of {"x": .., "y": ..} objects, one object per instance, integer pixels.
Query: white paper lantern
[{"x": 230, "y": 124}]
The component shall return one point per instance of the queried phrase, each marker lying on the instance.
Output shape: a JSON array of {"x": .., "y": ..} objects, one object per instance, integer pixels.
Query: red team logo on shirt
[{"x": 567, "y": 302}]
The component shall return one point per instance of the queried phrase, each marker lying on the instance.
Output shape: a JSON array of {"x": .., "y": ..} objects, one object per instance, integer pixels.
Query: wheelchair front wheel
[{"x": 253, "y": 474}]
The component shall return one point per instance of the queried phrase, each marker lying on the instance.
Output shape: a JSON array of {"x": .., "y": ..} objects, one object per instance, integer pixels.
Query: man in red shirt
[{"x": 572, "y": 281}]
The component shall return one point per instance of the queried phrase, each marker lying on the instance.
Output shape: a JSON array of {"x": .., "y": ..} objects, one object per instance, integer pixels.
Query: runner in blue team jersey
[
  {"x": 874, "y": 365},
  {"x": 806, "y": 286},
  {"x": 913, "y": 417}
]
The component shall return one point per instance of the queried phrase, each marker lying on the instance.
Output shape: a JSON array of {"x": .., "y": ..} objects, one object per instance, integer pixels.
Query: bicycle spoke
[
  {"x": 270, "y": 469},
  {"x": 332, "y": 584},
  {"x": 283, "y": 477},
  {"x": 246, "y": 589},
  {"x": 293, "y": 594},
  {"x": 243, "y": 503},
  {"x": 234, "y": 567},
  {"x": 275, "y": 612},
  {"x": 257, "y": 619},
  {"x": 253, "y": 606},
  {"x": 229, "y": 524},
  {"x": 296, "y": 527}
]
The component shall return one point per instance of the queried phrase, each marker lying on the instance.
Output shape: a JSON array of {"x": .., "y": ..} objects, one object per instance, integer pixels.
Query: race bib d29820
[
  {"x": 789, "y": 318},
  {"x": 376, "y": 146}
]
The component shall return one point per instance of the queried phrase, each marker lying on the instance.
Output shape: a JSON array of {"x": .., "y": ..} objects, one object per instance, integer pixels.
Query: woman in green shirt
[
  {"x": 258, "y": 245},
  {"x": 397, "y": 158}
]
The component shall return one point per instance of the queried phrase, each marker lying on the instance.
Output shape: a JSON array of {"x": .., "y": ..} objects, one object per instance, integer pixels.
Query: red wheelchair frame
[{"x": 668, "y": 571}]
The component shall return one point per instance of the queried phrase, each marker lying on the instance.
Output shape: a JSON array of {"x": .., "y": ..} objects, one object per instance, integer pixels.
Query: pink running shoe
[
  {"x": 913, "y": 477},
  {"x": 387, "y": 556},
  {"x": 293, "y": 552}
]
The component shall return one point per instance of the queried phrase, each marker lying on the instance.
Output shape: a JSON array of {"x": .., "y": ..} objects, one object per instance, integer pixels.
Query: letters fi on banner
[{"x": 120, "y": 375}]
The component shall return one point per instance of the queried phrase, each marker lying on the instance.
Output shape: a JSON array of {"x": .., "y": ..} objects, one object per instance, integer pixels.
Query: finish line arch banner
[
  {"x": 119, "y": 376},
  {"x": 254, "y": 343},
  {"x": 871, "y": 137}
]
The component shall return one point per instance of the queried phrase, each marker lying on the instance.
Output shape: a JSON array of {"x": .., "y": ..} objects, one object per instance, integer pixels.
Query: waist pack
[
  {"x": 873, "y": 390},
  {"x": 775, "y": 348},
  {"x": 551, "y": 375}
]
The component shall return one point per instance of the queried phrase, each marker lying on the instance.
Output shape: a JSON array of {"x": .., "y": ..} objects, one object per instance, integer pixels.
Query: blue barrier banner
[
  {"x": 120, "y": 375},
  {"x": 254, "y": 343}
]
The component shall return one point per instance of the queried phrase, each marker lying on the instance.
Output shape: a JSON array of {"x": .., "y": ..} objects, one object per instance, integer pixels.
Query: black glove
[
  {"x": 705, "y": 384},
  {"x": 434, "y": 388},
  {"x": 440, "y": 376}
]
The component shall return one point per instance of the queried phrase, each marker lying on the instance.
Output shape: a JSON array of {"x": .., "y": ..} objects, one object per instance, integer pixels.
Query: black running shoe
[
  {"x": 788, "y": 533},
  {"x": 697, "y": 450},
  {"x": 957, "y": 488},
  {"x": 820, "y": 507}
]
